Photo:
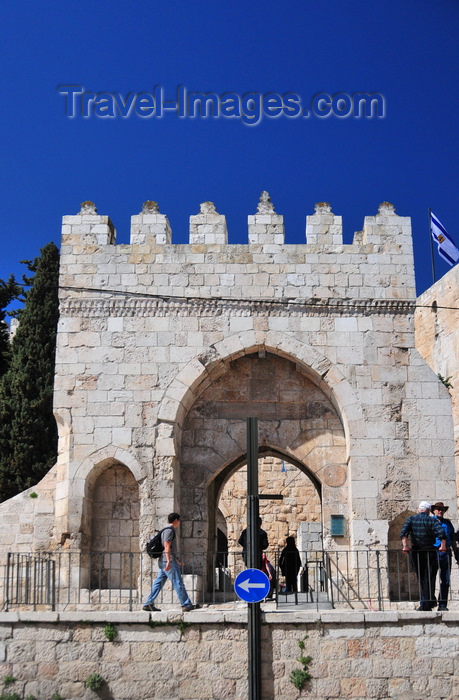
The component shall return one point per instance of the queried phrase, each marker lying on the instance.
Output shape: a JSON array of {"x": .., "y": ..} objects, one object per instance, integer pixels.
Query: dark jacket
[
  {"x": 290, "y": 562},
  {"x": 423, "y": 531},
  {"x": 243, "y": 541}
]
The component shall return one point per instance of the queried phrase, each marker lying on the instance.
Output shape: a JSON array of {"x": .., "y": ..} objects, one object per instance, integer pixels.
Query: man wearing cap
[
  {"x": 423, "y": 531},
  {"x": 445, "y": 558}
]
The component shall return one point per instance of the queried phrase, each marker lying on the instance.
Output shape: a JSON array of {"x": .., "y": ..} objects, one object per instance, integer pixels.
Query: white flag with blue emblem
[{"x": 445, "y": 244}]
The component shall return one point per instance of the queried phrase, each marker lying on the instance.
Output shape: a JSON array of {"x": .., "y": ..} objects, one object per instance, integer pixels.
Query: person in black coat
[
  {"x": 263, "y": 538},
  {"x": 290, "y": 564}
]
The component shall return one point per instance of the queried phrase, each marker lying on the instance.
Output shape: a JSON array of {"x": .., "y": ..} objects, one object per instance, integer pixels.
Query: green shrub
[
  {"x": 94, "y": 681},
  {"x": 445, "y": 381},
  {"x": 300, "y": 676},
  {"x": 182, "y": 626},
  {"x": 110, "y": 631}
]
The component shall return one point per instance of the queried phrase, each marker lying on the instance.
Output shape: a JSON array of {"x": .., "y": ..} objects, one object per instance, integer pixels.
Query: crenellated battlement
[
  {"x": 378, "y": 264},
  {"x": 265, "y": 227}
]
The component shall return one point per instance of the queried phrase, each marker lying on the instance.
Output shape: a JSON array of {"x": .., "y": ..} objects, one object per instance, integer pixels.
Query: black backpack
[{"x": 155, "y": 547}]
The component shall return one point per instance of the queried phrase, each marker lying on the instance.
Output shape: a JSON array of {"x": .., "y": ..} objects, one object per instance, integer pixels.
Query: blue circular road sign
[{"x": 252, "y": 585}]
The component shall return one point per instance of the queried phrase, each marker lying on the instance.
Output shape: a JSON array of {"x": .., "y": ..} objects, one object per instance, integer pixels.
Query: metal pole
[
  {"x": 253, "y": 560},
  {"x": 378, "y": 569},
  {"x": 131, "y": 578},
  {"x": 253, "y": 541},
  {"x": 9, "y": 568},
  {"x": 432, "y": 255}
]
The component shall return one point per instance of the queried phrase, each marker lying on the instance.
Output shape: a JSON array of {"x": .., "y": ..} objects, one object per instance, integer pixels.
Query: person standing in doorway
[
  {"x": 169, "y": 568},
  {"x": 290, "y": 564}
]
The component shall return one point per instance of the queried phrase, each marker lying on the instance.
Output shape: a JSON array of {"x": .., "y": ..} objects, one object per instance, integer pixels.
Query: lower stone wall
[{"x": 203, "y": 655}]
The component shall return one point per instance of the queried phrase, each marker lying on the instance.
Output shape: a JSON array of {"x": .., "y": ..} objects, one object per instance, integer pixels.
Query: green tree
[
  {"x": 28, "y": 432},
  {"x": 8, "y": 291}
]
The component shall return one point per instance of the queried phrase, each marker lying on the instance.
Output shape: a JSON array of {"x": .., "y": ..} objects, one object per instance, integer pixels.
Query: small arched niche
[{"x": 112, "y": 514}]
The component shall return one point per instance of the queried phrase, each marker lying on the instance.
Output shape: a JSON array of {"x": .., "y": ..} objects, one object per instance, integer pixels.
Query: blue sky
[{"x": 405, "y": 50}]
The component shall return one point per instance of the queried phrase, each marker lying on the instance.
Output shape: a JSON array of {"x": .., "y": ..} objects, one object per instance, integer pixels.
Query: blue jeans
[
  {"x": 175, "y": 577},
  {"x": 444, "y": 559}
]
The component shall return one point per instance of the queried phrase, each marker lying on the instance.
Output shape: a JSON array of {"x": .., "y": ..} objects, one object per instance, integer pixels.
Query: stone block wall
[
  {"x": 310, "y": 537},
  {"x": 371, "y": 656},
  {"x": 436, "y": 324}
]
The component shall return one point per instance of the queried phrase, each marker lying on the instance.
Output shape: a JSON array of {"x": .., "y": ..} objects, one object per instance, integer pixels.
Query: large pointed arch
[
  {"x": 200, "y": 372},
  {"x": 297, "y": 420}
]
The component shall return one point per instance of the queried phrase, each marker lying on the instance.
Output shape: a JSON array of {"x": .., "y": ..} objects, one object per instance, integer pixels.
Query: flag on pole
[{"x": 445, "y": 245}]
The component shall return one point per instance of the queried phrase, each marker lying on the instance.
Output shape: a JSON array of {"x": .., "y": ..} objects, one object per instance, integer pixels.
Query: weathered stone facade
[
  {"x": 163, "y": 350},
  {"x": 371, "y": 656},
  {"x": 437, "y": 337}
]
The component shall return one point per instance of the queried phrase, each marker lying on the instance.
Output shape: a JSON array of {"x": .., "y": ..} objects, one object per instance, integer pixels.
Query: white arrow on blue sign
[{"x": 252, "y": 585}]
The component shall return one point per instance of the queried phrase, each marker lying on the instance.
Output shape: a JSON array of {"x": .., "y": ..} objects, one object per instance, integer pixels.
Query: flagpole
[{"x": 431, "y": 246}]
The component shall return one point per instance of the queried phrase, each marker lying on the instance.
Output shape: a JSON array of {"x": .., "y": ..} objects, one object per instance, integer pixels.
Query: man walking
[
  {"x": 169, "y": 568},
  {"x": 423, "y": 531},
  {"x": 445, "y": 558}
]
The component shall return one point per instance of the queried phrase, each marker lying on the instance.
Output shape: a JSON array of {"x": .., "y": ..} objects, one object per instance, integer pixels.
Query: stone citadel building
[{"x": 163, "y": 350}]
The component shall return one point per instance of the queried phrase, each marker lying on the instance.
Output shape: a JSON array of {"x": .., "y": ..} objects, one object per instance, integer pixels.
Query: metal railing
[{"x": 74, "y": 580}]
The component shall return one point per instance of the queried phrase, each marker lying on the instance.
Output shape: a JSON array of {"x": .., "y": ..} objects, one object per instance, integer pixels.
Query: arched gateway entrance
[
  {"x": 300, "y": 506},
  {"x": 297, "y": 422}
]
